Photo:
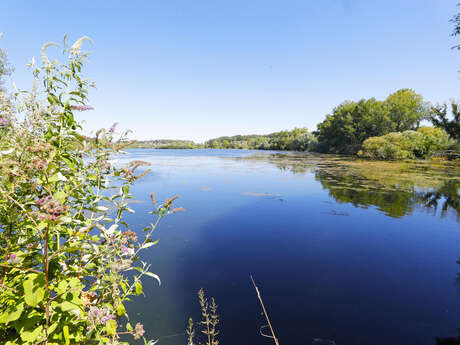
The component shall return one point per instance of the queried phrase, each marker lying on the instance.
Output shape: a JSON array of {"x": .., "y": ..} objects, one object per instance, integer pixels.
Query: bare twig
[{"x": 275, "y": 339}]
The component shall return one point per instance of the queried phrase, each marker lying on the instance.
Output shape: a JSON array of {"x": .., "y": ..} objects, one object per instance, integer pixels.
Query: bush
[
  {"x": 65, "y": 249},
  {"x": 406, "y": 145}
]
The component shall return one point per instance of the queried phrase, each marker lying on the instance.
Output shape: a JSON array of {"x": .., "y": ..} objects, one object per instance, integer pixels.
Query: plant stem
[
  {"x": 45, "y": 269},
  {"x": 265, "y": 312}
]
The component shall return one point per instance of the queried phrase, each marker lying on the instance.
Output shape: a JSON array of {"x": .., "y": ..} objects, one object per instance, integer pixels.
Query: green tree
[
  {"x": 351, "y": 123},
  {"x": 225, "y": 143},
  {"x": 407, "y": 109},
  {"x": 456, "y": 20},
  {"x": 440, "y": 119}
]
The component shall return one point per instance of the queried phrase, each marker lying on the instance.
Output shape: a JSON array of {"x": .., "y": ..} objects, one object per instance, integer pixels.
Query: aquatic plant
[
  {"x": 65, "y": 247},
  {"x": 208, "y": 323}
]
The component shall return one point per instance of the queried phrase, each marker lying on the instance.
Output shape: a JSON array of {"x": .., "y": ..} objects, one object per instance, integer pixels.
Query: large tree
[
  {"x": 440, "y": 119},
  {"x": 407, "y": 109},
  {"x": 351, "y": 123},
  {"x": 456, "y": 20}
]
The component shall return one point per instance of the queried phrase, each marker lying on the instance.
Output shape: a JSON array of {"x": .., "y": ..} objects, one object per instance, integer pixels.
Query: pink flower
[
  {"x": 81, "y": 107},
  {"x": 4, "y": 121},
  {"x": 13, "y": 259},
  {"x": 126, "y": 250},
  {"x": 114, "y": 126},
  {"x": 138, "y": 331},
  {"x": 100, "y": 316}
]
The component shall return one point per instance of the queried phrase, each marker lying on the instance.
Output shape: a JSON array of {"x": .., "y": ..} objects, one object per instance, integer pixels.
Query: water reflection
[
  {"x": 329, "y": 272},
  {"x": 395, "y": 188},
  {"x": 446, "y": 195}
]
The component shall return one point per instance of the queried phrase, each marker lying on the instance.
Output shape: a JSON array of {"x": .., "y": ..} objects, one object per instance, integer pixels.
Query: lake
[{"x": 344, "y": 252}]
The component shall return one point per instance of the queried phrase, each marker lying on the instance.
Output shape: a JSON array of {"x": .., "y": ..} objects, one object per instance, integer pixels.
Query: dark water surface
[{"x": 354, "y": 253}]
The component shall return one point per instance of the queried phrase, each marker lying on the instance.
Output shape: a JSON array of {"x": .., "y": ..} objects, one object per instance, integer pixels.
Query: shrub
[
  {"x": 65, "y": 248},
  {"x": 406, "y": 145}
]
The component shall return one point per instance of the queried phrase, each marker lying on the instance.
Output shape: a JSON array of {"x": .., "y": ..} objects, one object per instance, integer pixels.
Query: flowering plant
[{"x": 65, "y": 247}]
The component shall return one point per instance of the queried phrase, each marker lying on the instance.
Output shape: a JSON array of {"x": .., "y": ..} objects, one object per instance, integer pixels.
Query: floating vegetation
[
  {"x": 395, "y": 188},
  {"x": 336, "y": 213},
  {"x": 318, "y": 341},
  {"x": 263, "y": 195}
]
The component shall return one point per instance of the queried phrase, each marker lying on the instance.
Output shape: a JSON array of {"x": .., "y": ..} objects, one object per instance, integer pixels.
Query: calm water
[{"x": 344, "y": 253}]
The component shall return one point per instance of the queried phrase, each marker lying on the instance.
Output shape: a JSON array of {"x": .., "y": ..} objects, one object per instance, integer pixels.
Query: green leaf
[
  {"x": 53, "y": 327},
  {"x": 34, "y": 290},
  {"x": 60, "y": 196},
  {"x": 121, "y": 309},
  {"x": 153, "y": 275},
  {"x": 62, "y": 287},
  {"x": 75, "y": 283},
  {"x": 11, "y": 313},
  {"x": 111, "y": 327},
  {"x": 65, "y": 332},
  {"x": 32, "y": 336},
  {"x": 138, "y": 286}
]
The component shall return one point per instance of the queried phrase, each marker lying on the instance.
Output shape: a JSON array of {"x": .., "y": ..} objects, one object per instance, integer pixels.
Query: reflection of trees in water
[
  {"x": 361, "y": 193},
  {"x": 394, "y": 200},
  {"x": 447, "y": 194},
  {"x": 395, "y": 188}
]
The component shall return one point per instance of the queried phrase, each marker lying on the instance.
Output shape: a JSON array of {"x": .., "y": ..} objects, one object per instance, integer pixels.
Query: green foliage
[
  {"x": 165, "y": 144},
  {"x": 406, "y": 109},
  {"x": 406, "y": 145},
  {"x": 456, "y": 20},
  {"x": 65, "y": 248},
  {"x": 440, "y": 119},
  {"x": 351, "y": 123},
  {"x": 298, "y": 139}
]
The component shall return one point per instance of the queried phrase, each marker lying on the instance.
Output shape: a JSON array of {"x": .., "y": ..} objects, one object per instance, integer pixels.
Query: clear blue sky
[{"x": 201, "y": 69}]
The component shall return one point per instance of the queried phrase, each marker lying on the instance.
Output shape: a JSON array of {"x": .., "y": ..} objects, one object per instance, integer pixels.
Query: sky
[{"x": 201, "y": 69}]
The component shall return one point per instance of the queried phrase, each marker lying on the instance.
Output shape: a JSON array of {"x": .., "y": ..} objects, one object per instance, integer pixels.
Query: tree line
[{"x": 378, "y": 129}]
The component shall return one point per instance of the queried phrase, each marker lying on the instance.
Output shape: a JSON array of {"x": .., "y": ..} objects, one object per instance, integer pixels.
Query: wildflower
[
  {"x": 138, "y": 331},
  {"x": 94, "y": 315},
  {"x": 106, "y": 318},
  {"x": 81, "y": 107},
  {"x": 52, "y": 208},
  {"x": 130, "y": 235},
  {"x": 100, "y": 315},
  {"x": 126, "y": 250},
  {"x": 4, "y": 121},
  {"x": 112, "y": 129},
  {"x": 13, "y": 259}
]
